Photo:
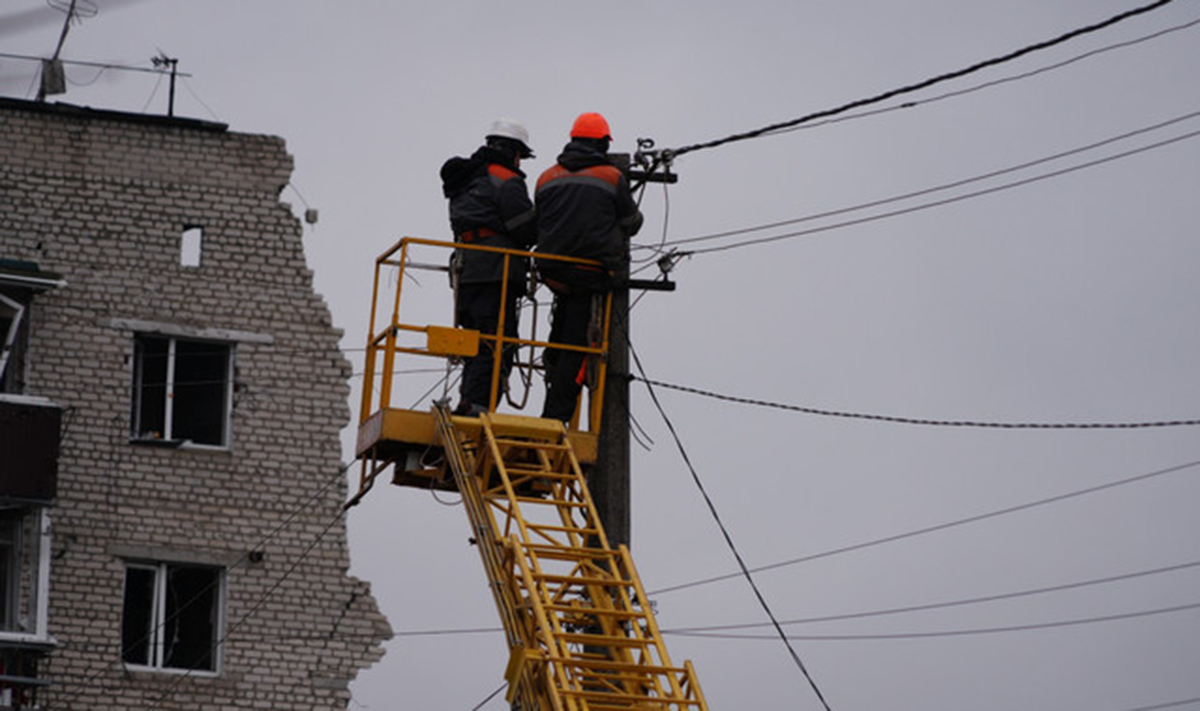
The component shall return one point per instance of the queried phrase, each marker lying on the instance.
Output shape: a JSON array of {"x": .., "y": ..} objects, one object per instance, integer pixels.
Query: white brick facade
[{"x": 103, "y": 199}]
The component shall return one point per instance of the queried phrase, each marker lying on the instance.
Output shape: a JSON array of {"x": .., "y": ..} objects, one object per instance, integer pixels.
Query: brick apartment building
[{"x": 171, "y": 396}]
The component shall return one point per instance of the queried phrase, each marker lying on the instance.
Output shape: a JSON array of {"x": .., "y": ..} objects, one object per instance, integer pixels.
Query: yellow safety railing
[{"x": 403, "y": 328}]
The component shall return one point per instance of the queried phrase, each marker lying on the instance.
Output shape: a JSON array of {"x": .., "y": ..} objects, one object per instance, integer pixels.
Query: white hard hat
[{"x": 508, "y": 128}]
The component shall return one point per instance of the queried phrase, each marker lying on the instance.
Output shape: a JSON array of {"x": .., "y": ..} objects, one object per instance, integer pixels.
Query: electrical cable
[
  {"x": 930, "y": 190},
  {"x": 665, "y": 229},
  {"x": 934, "y": 528},
  {"x": 949, "y": 200},
  {"x": 32, "y": 83},
  {"x": 639, "y": 433},
  {"x": 745, "y": 571},
  {"x": 188, "y": 85},
  {"x": 1168, "y": 705},
  {"x": 925, "y": 83},
  {"x": 949, "y": 633},
  {"x": 952, "y": 603},
  {"x": 87, "y": 83},
  {"x": 997, "y": 82},
  {"x": 997, "y": 597},
  {"x": 490, "y": 696},
  {"x": 449, "y": 632},
  {"x": 922, "y": 421},
  {"x": 153, "y": 93}
]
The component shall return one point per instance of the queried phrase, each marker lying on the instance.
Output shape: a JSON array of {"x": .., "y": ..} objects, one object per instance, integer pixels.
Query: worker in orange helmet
[
  {"x": 489, "y": 206},
  {"x": 585, "y": 209}
]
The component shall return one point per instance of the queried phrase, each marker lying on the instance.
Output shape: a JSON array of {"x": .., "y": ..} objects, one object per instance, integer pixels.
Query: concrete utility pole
[{"x": 609, "y": 480}]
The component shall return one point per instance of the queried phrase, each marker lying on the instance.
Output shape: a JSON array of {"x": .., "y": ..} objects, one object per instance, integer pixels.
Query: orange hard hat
[{"x": 590, "y": 125}]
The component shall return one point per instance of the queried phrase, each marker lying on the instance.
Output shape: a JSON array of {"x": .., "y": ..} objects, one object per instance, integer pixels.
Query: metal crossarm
[{"x": 581, "y": 635}]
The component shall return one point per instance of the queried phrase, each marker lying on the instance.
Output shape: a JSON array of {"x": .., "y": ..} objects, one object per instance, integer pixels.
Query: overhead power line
[
  {"x": 997, "y": 82},
  {"x": 950, "y": 200},
  {"x": 1168, "y": 705},
  {"x": 989, "y": 84},
  {"x": 936, "y": 527},
  {"x": 951, "y": 603},
  {"x": 925, "y": 83},
  {"x": 1074, "y": 585},
  {"x": 950, "y": 633},
  {"x": 922, "y": 421},
  {"x": 934, "y": 189}
]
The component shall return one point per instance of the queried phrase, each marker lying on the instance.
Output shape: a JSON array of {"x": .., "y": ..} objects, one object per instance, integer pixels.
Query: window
[
  {"x": 190, "y": 246},
  {"x": 172, "y": 616},
  {"x": 181, "y": 390},
  {"x": 10, "y": 569},
  {"x": 12, "y": 345},
  {"x": 24, "y": 572}
]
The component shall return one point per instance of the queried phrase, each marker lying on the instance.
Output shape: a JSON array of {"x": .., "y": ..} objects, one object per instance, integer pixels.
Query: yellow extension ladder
[{"x": 579, "y": 626}]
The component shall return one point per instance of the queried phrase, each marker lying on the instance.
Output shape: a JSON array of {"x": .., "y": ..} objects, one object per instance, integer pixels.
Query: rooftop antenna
[
  {"x": 162, "y": 60},
  {"x": 53, "y": 76}
]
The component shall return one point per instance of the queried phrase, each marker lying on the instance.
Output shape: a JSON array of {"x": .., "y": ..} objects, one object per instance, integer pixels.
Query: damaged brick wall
[{"x": 104, "y": 199}]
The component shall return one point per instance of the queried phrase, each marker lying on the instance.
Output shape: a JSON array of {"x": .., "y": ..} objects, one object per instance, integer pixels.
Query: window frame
[
  {"x": 12, "y": 543},
  {"x": 169, "y": 404},
  {"x": 157, "y": 653},
  {"x": 11, "y": 346},
  {"x": 25, "y": 619}
]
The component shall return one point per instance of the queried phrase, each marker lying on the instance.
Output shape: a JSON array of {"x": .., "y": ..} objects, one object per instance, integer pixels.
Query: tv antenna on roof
[
  {"x": 162, "y": 60},
  {"x": 54, "y": 79}
]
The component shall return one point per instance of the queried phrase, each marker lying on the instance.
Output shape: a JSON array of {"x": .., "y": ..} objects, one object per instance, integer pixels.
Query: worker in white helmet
[{"x": 489, "y": 205}]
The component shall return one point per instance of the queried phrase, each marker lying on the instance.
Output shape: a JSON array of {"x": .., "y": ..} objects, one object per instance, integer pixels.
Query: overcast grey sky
[{"x": 1069, "y": 299}]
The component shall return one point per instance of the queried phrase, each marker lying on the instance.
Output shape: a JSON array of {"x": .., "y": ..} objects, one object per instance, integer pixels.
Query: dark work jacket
[
  {"x": 489, "y": 206},
  {"x": 584, "y": 209}
]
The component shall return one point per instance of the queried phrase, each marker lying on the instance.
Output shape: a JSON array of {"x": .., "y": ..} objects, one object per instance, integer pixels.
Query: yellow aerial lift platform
[{"x": 579, "y": 628}]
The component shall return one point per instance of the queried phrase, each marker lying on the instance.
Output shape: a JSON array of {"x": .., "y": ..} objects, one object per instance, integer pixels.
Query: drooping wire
[
  {"x": 640, "y": 435},
  {"x": 745, "y": 570},
  {"x": 95, "y": 78},
  {"x": 657, "y": 250},
  {"x": 926, "y": 422},
  {"x": 935, "y": 528},
  {"x": 911, "y": 88}
]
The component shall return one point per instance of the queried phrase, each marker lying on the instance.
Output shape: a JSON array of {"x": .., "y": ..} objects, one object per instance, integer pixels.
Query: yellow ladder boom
[{"x": 579, "y": 627}]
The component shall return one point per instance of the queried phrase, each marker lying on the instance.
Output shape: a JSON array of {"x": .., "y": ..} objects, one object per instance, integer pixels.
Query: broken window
[
  {"x": 172, "y": 616},
  {"x": 10, "y": 569},
  {"x": 24, "y": 571},
  {"x": 12, "y": 345},
  {"x": 181, "y": 390}
]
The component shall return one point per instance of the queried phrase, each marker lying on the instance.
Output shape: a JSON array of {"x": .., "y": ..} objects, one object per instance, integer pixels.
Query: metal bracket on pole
[
  {"x": 651, "y": 161},
  {"x": 649, "y": 284}
]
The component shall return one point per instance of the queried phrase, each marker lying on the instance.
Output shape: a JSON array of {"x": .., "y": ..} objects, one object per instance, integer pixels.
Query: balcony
[{"x": 30, "y": 431}]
